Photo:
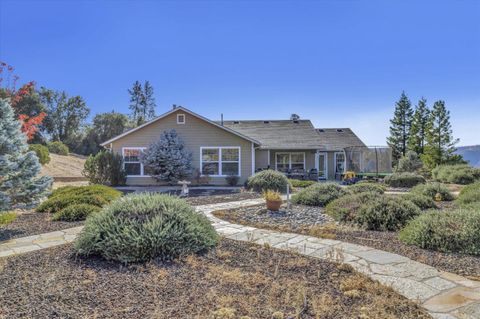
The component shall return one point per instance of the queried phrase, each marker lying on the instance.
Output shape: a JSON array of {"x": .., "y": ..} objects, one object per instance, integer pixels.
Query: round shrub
[
  {"x": 319, "y": 194},
  {"x": 404, "y": 180},
  {"x": 58, "y": 148},
  {"x": 451, "y": 231},
  {"x": 470, "y": 194},
  {"x": 345, "y": 208},
  {"x": 57, "y": 203},
  {"x": 140, "y": 227},
  {"x": 457, "y": 174},
  {"x": 42, "y": 153},
  {"x": 268, "y": 180},
  {"x": 423, "y": 202},
  {"x": 103, "y": 191},
  {"x": 431, "y": 190},
  {"x": 75, "y": 212},
  {"x": 386, "y": 213},
  {"x": 366, "y": 188}
]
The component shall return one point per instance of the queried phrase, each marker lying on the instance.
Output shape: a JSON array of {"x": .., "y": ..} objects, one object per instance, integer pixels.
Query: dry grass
[
  {"x": 238, "y": 280},
  {"x": 64, "y": 166}
]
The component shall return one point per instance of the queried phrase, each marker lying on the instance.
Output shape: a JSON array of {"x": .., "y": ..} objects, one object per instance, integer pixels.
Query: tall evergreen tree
[
  {"x": 418, "y": 130},
  {"x": 149, "y": 101},
  {"x": 19, "y": 184},
  {"x": 400, "y": 127},
  {"x": 440, "y": 145},
  {"x": 137, "y": 102}
]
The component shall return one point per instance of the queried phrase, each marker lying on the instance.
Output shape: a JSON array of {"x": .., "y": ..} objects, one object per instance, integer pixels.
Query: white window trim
[
  {"x": 178, "y": 118},
  {"x": 219, "y": 148},
  {"x": 289, "y": 159},
  {"x": 335, "y": 162},
  {"x": 317, "y": 163},
  {"x": 141, "y": 165}
]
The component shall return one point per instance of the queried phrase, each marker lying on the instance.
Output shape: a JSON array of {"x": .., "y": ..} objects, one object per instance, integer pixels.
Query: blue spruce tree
[{"x": 19, "y": 184}]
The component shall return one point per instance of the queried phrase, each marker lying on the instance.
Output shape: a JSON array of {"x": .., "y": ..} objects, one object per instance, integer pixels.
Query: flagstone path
[{"x": 443, "y": 294}]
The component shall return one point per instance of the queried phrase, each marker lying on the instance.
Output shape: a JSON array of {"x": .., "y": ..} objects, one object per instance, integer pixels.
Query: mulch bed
[
  {"x": 31, "y": 223},
  {"x": 237, "y": 279},
  {"x": 465, "y": 265}
]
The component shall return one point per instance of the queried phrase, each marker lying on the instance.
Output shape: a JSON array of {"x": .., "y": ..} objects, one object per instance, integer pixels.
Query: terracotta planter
[{"x": 274, "y": 205}]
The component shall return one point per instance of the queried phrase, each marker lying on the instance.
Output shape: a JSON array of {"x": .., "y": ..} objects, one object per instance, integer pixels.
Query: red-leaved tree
[{"x": 30, "y": 125}]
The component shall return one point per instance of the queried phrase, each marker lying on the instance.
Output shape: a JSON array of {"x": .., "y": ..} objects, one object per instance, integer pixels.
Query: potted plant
[{"x": 273, "y": 199}]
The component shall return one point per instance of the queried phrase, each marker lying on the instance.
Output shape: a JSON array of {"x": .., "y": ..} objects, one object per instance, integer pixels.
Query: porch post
[{"x": 253, "y": 159}]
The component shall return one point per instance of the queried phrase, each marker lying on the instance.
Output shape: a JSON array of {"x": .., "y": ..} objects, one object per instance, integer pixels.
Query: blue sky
[{"x": 338, "y": 63}]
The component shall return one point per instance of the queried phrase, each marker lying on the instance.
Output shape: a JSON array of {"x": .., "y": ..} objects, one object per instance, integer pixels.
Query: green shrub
[
  {"x": 431, "y": 190},
  {"x": 345, "y": 208},
  {"x": 58, "y": 148},
  {"x": 106, "y": 192},
  {"x": 423, "y": 202},
  {"x": 105, "y": 168},
  {"x": 470, "y": 194},
  {"x": 366, "y": 188},
  {"x": 319, "y": 194},
  {"x": 75, "y": 212},
  {"x": 268, "y": 180},
  {"x": 411, "y": 162},
  {"x": 405, "y": 179},
  {"x": 386, "y": 213},
  {"x": 456, "y": 174},
  {"x": 300, "y": 183},
  {"x": 7, "y": 217},
  {"x": 42, "y": 153},
  {"x": 451, "y": 231},
  {"x": 140, "y": 227}
]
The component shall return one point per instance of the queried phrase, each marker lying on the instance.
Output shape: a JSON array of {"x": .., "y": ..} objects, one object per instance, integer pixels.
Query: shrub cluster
[
  {"x": 366, "y": 188},
  {"x": 423, "y": 202},
  {"x": 268, "y": 180},
  {"x": 451, "y": 231},
  {"x": 42, "y": 153},
  {"x": 405, "y": 179},
  {"x": 140, "y": 227},
  {"x": 432, "y": 190},
  {"x": 456, "y": 174},
  {"x": 105, "y": 168},
  {"x": 300, "y": 183},
  {"x": 469, "y": 195},
  {"x": 62, "y": 201},
  {"x": 58, "y": 148},
  {"x": 319, "y": 194},
  {"x": 345, "y": 208}
]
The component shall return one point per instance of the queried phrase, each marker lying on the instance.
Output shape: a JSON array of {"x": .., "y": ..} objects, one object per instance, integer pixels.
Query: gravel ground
[
  {"x": 237, "y": 279},
  {"x": 465, "y": 265},
  {"x": 220, "y": 196}
]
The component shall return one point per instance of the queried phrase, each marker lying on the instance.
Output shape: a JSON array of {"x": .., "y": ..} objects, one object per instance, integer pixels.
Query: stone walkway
[{"x": 443, "y": 294}]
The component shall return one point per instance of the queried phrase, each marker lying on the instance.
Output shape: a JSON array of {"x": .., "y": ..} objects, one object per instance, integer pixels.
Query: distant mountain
[{"x": 471, "y": 154}]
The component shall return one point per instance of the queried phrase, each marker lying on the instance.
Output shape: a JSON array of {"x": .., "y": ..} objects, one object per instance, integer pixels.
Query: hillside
[
  {"x": 64, "y": 167},
  {"x": 470, "y": 154}
]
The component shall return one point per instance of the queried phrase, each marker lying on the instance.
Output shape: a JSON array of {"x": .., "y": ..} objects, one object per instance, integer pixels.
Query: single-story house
[{"x": 223, "y": 148}]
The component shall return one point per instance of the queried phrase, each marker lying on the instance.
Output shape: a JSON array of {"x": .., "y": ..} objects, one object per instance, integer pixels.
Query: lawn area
[{"x": 235, "y": 279}]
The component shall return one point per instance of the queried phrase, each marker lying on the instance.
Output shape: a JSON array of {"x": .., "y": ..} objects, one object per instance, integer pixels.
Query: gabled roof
[
  {"x": 278, "y": 134},
  {"x": 336, "y": 139},
  {"x": 180, "y": 108}
]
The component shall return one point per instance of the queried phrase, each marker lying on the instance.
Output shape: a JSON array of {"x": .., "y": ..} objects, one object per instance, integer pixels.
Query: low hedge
[
  {"x": 432, "y": 189},
  {"x": 457, "y": 174},
  {"x": 76, "y": 212},
  {"x": 42, "y": 153},
  {"x": 106, "y": 192},
  {"x": 140, "y": 227},
  {"x": 405, "y": 179},
  {"x": 268, "y": 180},
  {"x": 299, "y": 183},
  {"x": 470, "y": 194},
  {"x": 319, "y": 194},
  {"x": 447, "y": 231},
  {"x": 423, "y": 202},
  {"x": 58, "y": 148},
  {"x": 366, "y": 188}
]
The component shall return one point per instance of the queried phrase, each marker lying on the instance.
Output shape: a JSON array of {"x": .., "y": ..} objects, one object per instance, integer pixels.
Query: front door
[{"x": 322, "y": 165}]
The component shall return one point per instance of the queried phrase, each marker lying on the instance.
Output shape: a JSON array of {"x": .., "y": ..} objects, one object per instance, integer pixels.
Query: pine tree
[
  {"x": 400, "y": 127},
  {"x": 19, "y": 184},
  {"x": 137, "y": 103},
  {"x": 418, "y": 130},
  {"x": 167, "y": 159},
  {"x": 440, "y": 145},
  {"x": 148, "y": 101}
]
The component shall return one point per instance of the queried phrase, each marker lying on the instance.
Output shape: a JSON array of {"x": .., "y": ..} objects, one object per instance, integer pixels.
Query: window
[
  {"x": 180, "y": 118},
  {"x": 220, "y": 161},
  {"x": 131, "y": 161},
  {"x": 339, "y": 162},
  {"x": 289, "y": 161}
]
